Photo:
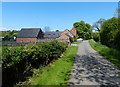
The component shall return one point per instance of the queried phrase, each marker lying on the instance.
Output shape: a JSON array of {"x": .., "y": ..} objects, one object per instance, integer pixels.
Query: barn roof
[
  {"x": 29, "y": 32},
  {"x": 52, "y": 34},
  {"x": 68, "y": 33}
]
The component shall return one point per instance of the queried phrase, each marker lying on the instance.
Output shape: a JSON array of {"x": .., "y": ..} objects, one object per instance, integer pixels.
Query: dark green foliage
[
  {"x": 83, "y": 29},
  {"x": 110, "y": 33},
  {"x": 116, "y": 43},
  {"x": 76, "y": 37},
  {"x": 73, "y": 39},
  {"x": 12, "y": 56},
  {"x": 96, "y": 36},
  {"x": 17, "y": 60},
  {"x": 9, "y": 34}
]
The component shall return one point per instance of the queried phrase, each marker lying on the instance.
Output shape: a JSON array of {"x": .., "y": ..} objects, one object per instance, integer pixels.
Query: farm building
[
  {"x": 73, "y": 31},
  {"x": 52, "y": 34},
  {"x": 29, "y": 35},
  {"x": 66, "y": 34},
  {"x": 36, "y": 34}
]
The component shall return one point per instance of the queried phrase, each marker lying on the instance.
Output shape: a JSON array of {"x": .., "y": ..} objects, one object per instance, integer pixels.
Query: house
[
  {"x": 35, "y": 34},
  {"x": 29, "y": 35},
  {"x": 73, "y": 31},
  {"x": 66, "y": 34}
]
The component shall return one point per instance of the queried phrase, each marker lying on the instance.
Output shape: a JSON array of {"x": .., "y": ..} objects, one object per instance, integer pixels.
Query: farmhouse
[
  {"x": 66, "y": 34},
  {"x": 36, "y": 34},
  {"x": 29, "y": 35},
  {"x": 73, "y": 31}
]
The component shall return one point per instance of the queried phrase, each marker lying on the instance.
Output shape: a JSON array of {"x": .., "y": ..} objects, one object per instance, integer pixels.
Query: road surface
[{"x": 90, "y": 68}]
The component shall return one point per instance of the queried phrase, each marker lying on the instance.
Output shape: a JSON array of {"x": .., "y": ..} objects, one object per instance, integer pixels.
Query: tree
[
  {"x": 46, "y": 28},
  {"x": 10, "y": 34},
  {"x": 117, "y": 12},
  {"x": 109, "y": 34},
  {"x": 83, "y": 29},
  {"x": 96, "y": 36},
  {"x": 57, "y": 30},
  {"x": 97, "y": 25},
  {"x": 88, "y": 26}
]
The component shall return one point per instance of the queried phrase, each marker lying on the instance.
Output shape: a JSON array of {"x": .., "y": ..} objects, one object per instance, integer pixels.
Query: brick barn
[
  {"x": 73, "y": 31},
  {"x": 66, "y": 34},
  {"x": 30, "y": 35}
]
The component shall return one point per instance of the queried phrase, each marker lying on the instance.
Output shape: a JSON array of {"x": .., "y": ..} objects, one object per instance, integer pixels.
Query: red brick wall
[
  {"x": 73, "y": 30},
  {"x": 26, "y": 39},
  {"x": 64, "y": 37}
]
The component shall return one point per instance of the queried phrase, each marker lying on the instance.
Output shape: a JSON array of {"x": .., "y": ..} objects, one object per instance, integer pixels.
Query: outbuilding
[{"x": 30, "y": 35}]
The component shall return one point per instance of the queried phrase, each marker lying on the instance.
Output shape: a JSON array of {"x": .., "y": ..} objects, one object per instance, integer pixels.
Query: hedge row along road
[
  {"x": 19, "y": 61},
  {"x": 90, "y": 68}
]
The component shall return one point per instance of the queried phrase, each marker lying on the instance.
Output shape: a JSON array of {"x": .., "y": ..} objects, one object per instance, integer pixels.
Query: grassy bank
[
  {"x": 56, "y": 73},
  {"x": 77, "y": 42},
  {"x": 109, "y": 53}
]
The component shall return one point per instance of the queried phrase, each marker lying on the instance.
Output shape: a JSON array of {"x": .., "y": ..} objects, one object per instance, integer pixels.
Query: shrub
[
  {"x": 12, "y": 56},
  {"x": 96, "y": 37},
  {"x": 109, "y": 34},
  {"x": 17, "y": 60}
]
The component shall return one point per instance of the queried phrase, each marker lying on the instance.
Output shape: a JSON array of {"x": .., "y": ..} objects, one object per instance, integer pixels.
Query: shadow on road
[{"x": 93, "y": 68}]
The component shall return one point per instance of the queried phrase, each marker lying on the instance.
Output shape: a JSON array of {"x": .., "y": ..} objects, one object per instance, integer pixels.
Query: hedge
[
  {"x": 18, "y": 61},
  {"x": 110, "y": 33}
]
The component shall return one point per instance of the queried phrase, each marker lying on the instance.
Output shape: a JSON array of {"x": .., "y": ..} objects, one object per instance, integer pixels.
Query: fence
[{"x": 14, "y": 43}]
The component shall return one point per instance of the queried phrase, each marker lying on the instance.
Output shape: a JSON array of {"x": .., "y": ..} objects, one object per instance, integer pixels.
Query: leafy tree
[
  {"x": 57, "y": 30},
  {"x": 109, "y": 34},
  {"x": 96, "y": 26},
  {"x": 47, "y": 28},
  {"x": 9, "y": 34},
  {"x": 88, "y": 26},
  {"x": 83, "y": 29},
  {"x": 117, "y": 12},
  {"x": 96, "y": 36}
]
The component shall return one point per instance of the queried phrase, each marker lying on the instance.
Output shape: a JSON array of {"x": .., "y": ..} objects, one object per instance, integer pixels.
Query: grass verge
[
  {"x": 111, "y": 54},
  {"x": 77, "y": 42},
  {"x": 56, "y": 73}
]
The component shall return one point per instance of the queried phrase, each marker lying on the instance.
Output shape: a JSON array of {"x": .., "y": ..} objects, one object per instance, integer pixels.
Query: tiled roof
[
  {"x": 73, "y": 31},
  {"x": 52, "y": 34},
  {"x": 29, "y": 32},
  {"x": 68, "y": 33}
]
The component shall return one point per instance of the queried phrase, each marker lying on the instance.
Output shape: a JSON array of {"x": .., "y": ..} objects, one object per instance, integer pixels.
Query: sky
[
  {"x": 56, "y": 15},
  {"x": 60, "y": 0}
]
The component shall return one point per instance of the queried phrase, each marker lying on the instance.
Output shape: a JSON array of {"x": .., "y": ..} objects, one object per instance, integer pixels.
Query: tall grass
[{"x": 111, "y": 54}]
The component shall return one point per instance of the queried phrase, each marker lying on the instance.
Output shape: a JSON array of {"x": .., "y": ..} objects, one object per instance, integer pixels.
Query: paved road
[{"x": 90, "y": 68}]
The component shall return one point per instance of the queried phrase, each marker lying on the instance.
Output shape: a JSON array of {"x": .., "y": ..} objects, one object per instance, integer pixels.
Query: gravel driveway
[{"x": 90, "y": 68}]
